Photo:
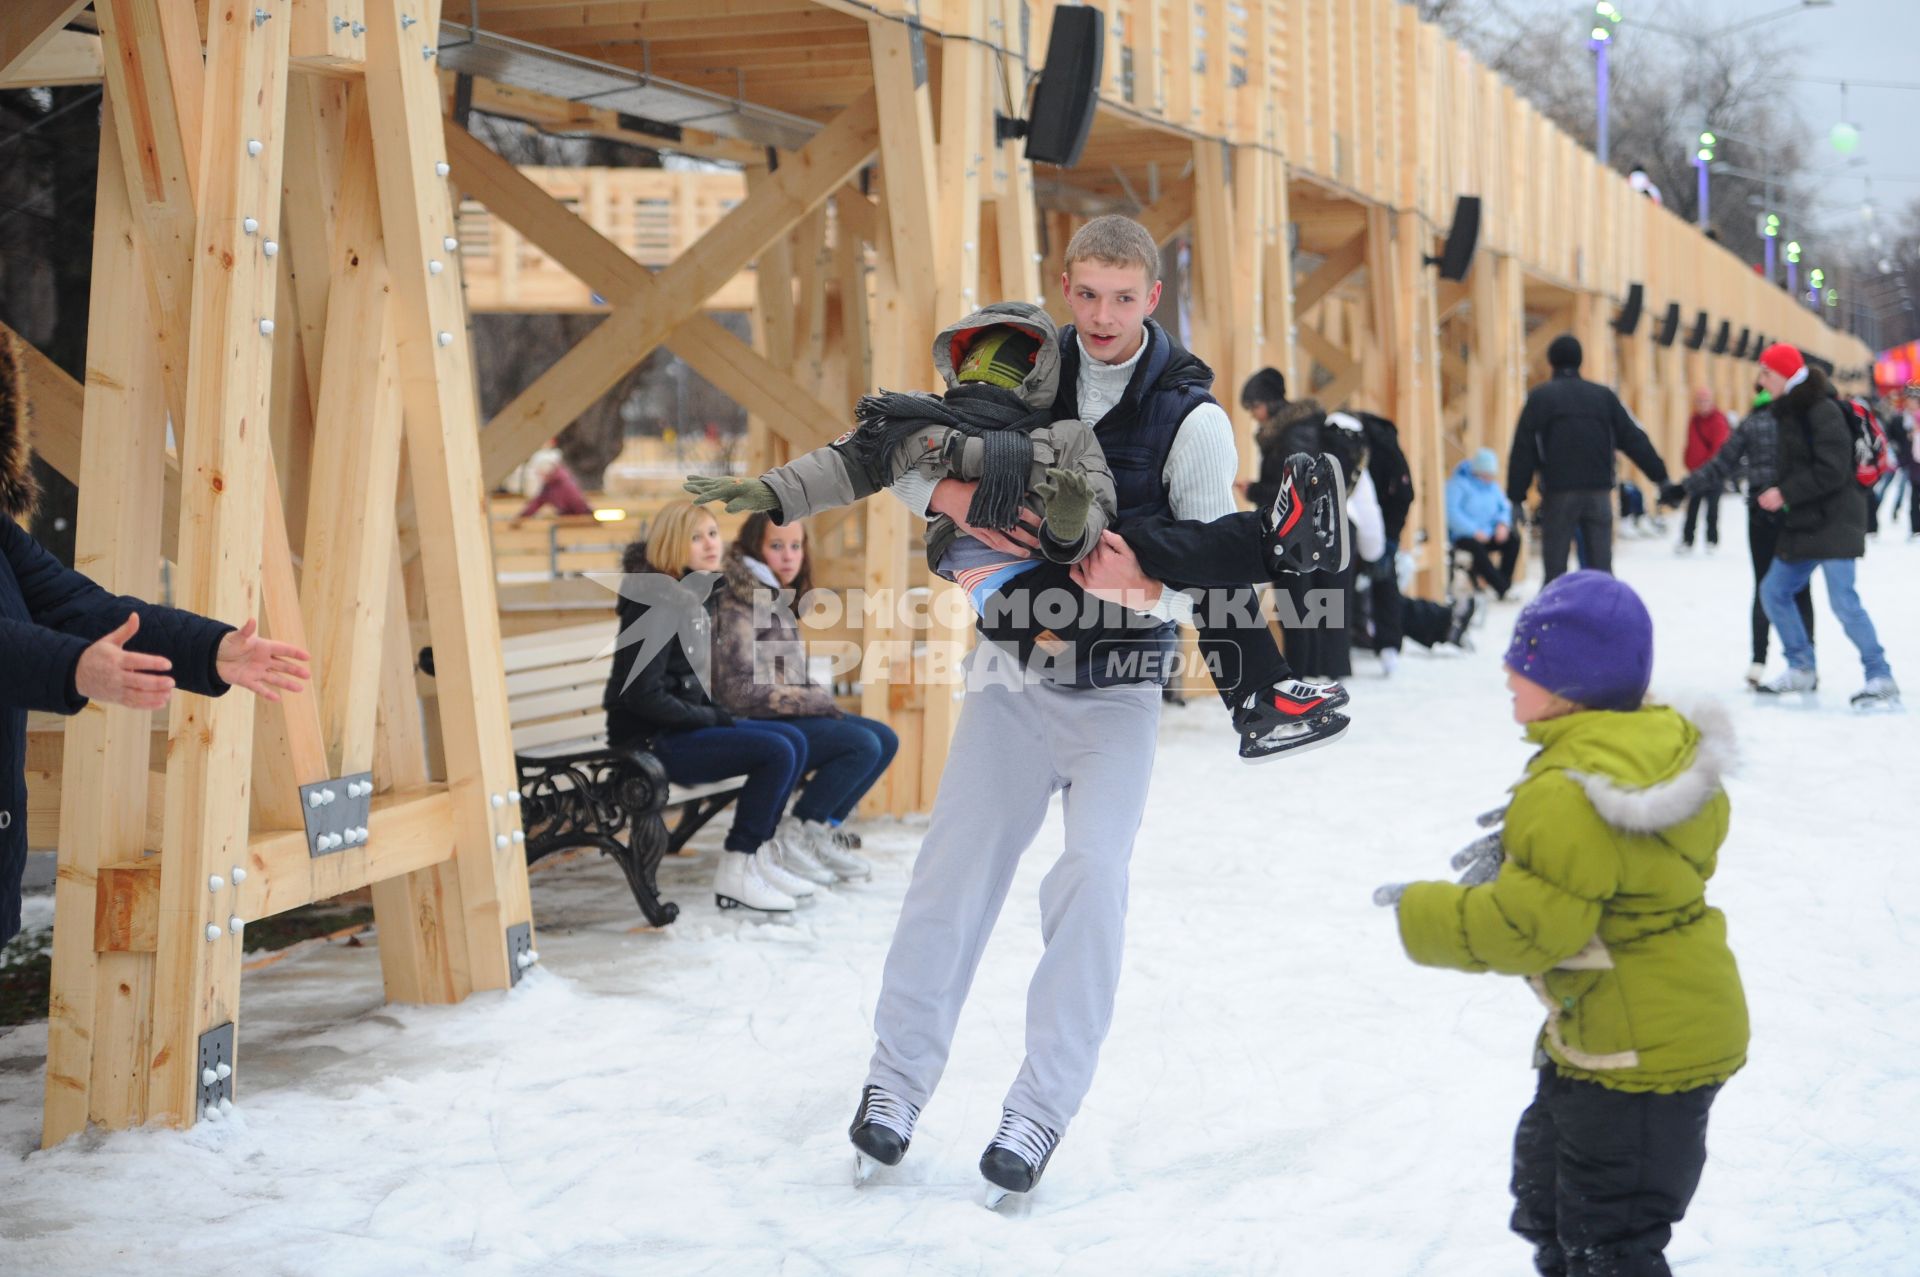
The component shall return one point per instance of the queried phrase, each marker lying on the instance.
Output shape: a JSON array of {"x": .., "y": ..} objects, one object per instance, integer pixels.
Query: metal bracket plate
[
  {"x": 519, "y": 950},
  {"x": 336, "y": 812},
  {"x": 216, "y": 1061}
]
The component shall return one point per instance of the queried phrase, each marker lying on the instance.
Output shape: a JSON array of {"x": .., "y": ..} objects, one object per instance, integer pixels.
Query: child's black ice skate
[
  {"x": 1287, "y": 717},
  {"x": 882, "y": 1128},
  {"x": 1016, "y": 1157},
  {"x": 1306, "y": 527}
]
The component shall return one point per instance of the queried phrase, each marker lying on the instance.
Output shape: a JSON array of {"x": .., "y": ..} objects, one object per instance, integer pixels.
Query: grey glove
[
  {"x": 1481, "y": 859},
  {"x": 743, "y": 496},
  {"x": 1390, "y": 894},
  {"x": 1068, "y": 497}
]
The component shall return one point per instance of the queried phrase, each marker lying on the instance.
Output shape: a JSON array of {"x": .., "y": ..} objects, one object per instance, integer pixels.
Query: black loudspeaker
[
  {"x": 1669, "y": 325},
  {"x": 1760, "y": 343},
  {"x": 1061, "y": 116},
  {"x": 1629, "y": 317},
  {"x": 1721, "y": 338},
  {"x": 1456, "y": 258},
  {"x": 1740, "y": 347},
  {"x": 1697, "y": 335}
]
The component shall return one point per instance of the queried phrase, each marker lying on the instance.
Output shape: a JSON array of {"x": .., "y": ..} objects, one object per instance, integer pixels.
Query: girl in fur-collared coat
[{"x": 1595, "y": 891}]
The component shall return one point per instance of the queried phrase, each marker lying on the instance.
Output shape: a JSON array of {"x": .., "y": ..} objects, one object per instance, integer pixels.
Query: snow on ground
[{"x": 1283, "y": 1093}]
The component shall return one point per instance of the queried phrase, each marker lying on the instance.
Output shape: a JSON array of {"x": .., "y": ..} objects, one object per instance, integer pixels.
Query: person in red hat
[{"x": 1823, "y": 526}]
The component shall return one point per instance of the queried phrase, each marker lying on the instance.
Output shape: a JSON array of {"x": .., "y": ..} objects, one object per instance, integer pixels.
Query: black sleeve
[
  {"x": 1722, "y": 465},
  {"x": 67, "y": 603},
  {"x": 1263, "y": 490},
  {"x": 650, "y": 697},
  {"x": 1524, "y": 456},
  {"x": 1629, "y": 438}
]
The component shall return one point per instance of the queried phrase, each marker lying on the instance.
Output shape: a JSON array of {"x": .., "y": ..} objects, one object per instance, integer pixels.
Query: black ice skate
[
  {"x": 1463, "y": 608},
  {"x": 1306, "y": 527},
  {"x": 882, "y": 1128},
  {"x": 1288, "y": 717},
  {"x": 1016, "y": 1157}
]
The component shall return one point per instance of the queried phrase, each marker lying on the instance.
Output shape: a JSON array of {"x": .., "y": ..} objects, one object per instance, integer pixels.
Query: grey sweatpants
[{"x": 1013, "y": 747}]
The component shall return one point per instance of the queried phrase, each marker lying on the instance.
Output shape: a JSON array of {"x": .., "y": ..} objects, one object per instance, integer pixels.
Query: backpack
[{"x": 1872, "y": 458}]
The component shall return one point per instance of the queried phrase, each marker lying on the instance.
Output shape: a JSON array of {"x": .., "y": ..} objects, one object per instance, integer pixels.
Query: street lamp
[
  {"x": 1793, "y": 265},
  {"x": 1606, "y": 16},
  {"x": 1702, "y": 158}
]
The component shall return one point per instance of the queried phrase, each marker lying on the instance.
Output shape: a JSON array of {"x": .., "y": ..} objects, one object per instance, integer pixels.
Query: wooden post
[
  {"x": 99, "y": 1014},
  {"x": 224, "y": 485},
  {"x": 442, "y": 418}
]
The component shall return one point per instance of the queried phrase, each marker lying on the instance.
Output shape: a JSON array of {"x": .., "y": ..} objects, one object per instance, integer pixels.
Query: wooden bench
[{"x": 576, "y": 789}]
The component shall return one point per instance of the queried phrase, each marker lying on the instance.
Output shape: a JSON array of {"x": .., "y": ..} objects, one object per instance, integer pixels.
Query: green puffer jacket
[{"x": 1601, "y": 902}]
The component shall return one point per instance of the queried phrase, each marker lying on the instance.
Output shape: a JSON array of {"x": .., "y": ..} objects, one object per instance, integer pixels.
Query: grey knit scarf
[{"x": 1000, "y": 418}]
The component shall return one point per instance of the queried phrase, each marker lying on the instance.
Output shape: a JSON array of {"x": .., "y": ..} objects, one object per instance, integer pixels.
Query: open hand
[
  {"x": 743, "y": 496},
  {"x": 109, "y": 673},
  {"x": 1112, "y": 573},
  {"x": 262, "y": 666}
]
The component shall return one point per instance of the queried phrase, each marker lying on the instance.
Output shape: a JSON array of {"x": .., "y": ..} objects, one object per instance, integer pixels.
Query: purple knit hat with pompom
[{"x": 1586, "y": 637}]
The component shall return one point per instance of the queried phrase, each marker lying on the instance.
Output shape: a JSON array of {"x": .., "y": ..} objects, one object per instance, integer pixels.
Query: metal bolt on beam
[
  {"x": 255, "y": 146},
  {"x": 266, "y": 328}
]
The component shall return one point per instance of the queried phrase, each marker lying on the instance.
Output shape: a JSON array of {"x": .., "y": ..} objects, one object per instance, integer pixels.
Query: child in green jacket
[{"x": 1595, "y": 891}]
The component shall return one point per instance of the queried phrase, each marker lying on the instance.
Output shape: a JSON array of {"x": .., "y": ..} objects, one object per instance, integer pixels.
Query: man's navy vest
[{"x": 1137, "y": 437}]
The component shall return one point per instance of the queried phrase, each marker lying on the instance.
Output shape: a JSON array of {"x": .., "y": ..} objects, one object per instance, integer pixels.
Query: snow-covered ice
[{"x": 1283, "y": 1093}]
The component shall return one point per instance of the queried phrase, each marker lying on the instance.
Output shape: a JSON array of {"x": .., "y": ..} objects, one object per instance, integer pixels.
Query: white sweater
[{"x": 1198, "y": 475}]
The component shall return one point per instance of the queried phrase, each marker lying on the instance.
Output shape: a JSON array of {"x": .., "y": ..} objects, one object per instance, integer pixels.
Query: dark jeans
[
  {"x": 845, "y": 757},
  {"x": 1711, "y": 500},
  {"x": 770, "y": 755},
  {"x": 1600, "y": 1177},
  {"x": 1492, "y": 564},
  {"x": 1763, "y": 533},
  {"x": 1590, "y": 511}
]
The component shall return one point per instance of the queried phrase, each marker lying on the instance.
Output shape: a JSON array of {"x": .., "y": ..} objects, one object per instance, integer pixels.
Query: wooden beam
[
  {"x": 756, "y": 384},
  {"x": 70, "y": 57},
  {"x": 28, "y": 26},
  {"x": 632, "y": 331},
  {"x": 120, "y": 470},
  {"x": 1332, "y": 271},
  {"x": 225, "y": 468},
  {"x": 443, "y": 449},
  {"x": 1169, "y": 215},
  {"x": 355, "y": 468}
]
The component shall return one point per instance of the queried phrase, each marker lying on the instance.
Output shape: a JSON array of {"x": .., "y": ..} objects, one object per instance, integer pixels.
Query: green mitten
[
  {"x": 743, "y": 496},
  {"x": 1068, "y": 497}
]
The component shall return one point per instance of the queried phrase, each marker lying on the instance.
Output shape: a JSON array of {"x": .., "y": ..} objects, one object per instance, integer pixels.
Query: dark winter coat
[
  {"x": 1392, "y": 476},
  {"x": 666, "y": 695},
  {"x": 759, "y": 660},
  {"x": 49, "y": 615},
  {"x": 1297, "y": 426},
  {"x": 1706, "y": 433},
  {"x": 1568, "y": 433},
  {"x": 1756, "y": 440},
  {"x": 1825, "y": 516}
]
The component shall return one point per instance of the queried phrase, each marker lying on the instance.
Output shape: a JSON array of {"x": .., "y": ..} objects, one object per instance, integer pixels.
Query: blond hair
[
  {"x": 670, "y": 538},
  {"x": 1114, "y": 240}
]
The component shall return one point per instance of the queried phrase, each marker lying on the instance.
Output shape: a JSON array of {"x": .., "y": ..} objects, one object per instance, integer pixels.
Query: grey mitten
[
  {"x": 1389, "y": 894},
  {"x": 1480, "y": 859},
  {"x": 743, "y": 496},
  {"x": 1067, "y": 497}
]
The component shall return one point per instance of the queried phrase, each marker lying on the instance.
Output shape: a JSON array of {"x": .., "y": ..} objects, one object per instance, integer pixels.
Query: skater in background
[
  {"x": 1707, "y": 432},
  {"x": 1823, "y": 527},
  {"x": 553, "y": 485},
  {"x": 1592, "y": 885},
  {"x": 1567, "y": 435},
  {"x": 1753, "y": 446},
  {"x": 1480, "y": 523}
]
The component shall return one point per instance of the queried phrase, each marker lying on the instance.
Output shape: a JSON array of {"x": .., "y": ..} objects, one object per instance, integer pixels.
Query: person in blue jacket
[
  {"x": 65, "y": 641},
  {"x": 1480, "y": 522}
]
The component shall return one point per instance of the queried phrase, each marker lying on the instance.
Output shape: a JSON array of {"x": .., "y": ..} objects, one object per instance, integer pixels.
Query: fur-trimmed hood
[
  {"x": 1707, "y": 755},
  {"x": 1292, "y": 413},
  {"x": 19, "y": 494}
]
